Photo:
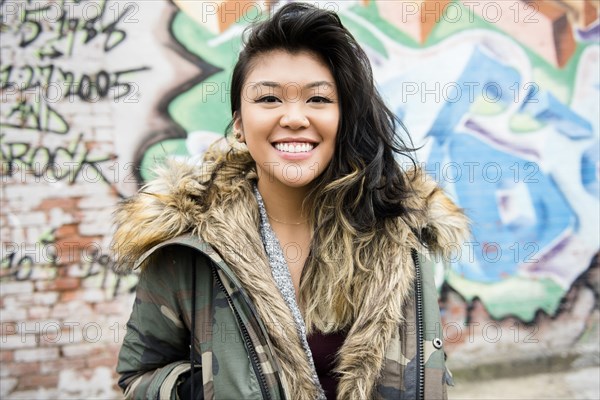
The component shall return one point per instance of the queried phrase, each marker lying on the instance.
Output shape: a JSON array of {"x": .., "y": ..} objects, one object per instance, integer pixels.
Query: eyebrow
[{"x": 307, "y": 86}]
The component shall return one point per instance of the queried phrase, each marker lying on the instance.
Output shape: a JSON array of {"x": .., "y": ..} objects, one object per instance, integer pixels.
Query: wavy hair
[{"x": 361, "y": 193}]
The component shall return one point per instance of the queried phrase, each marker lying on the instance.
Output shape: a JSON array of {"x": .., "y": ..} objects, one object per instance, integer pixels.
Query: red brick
[
  {"x": 36, "y": 381},
  {"x": 70, "y": 295},
  {"x": 65, "y": 283},
  {"x": 21, "y": 368},
  {"x": 68, "y": 230},
  {"x": 6, "y": 356},
  {"x": 66, "y": 203},
  {"x": 70, "y": 248},
  {"x": 102, "y": 360}
]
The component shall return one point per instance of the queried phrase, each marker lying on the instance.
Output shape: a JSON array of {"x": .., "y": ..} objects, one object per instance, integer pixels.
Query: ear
[
  {"x": 238, "y": 127},
  {"x": 237, "y": 122}
]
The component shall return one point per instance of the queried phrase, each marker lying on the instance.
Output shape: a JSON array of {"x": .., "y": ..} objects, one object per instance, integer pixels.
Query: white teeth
[{"x": 294, "y": 147}]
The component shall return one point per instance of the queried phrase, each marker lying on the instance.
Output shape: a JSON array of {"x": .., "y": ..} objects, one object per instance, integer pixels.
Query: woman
[{"x": 286, "y": 267}]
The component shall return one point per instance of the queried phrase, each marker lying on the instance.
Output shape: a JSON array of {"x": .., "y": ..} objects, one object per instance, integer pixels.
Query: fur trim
[
  {"x": 444, "y": 225},
  {"x": 225, "y": 215}
]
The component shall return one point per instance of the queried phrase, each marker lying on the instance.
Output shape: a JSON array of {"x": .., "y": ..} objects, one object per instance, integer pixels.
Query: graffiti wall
[{"x": 503, "y": 97}]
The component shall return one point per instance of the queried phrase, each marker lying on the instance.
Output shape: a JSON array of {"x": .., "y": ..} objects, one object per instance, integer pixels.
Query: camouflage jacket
[{"x": 197, "y": 289}]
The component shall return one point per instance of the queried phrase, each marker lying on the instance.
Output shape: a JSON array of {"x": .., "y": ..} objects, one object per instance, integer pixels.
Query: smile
[{"x": 294, "y": 147}]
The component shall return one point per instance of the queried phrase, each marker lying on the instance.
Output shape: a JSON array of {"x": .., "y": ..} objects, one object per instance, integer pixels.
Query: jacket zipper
[
  {"x": 247, "y": 341},
  {"x": 419, "y": 316}
]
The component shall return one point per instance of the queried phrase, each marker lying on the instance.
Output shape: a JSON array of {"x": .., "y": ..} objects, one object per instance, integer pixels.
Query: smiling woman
[
  {"x": 288, "y": 119},
  {"x": 293, "y": 263}
]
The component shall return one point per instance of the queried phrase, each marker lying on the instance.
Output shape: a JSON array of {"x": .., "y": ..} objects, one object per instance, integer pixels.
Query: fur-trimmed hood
[{"x": 225, "y": 215}]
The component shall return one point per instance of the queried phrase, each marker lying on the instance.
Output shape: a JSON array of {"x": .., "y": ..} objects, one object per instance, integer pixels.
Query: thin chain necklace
[{"x": 286, "y": 223}]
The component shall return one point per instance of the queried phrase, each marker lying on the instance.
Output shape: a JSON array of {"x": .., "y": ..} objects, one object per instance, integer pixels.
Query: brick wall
[
  {"x": 71, "y": 93},
  {"x": 94, "y": 92}
]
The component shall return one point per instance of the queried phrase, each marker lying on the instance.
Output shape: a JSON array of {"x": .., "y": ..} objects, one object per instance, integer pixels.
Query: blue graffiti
[
  {"x": 518, "y": 210},
  {"x": 590, "y": 170},
  {"x": 484, "y": 74},
  {"x": 548, "y": 109}
]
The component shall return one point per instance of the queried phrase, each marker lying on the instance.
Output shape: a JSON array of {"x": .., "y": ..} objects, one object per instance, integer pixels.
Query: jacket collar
[{"x": 226, "y": 216}]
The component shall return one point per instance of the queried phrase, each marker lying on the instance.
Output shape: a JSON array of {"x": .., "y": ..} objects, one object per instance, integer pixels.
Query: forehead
[{"x": 283, "y": 67}]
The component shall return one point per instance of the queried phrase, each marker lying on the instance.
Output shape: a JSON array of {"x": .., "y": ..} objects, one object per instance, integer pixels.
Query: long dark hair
[
  {"x": 357, "y": 204},
  {"x": 367, "y": 143}
]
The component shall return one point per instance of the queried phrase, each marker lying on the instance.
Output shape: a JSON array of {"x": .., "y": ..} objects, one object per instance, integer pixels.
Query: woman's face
[{"x": 289, "y": 117}]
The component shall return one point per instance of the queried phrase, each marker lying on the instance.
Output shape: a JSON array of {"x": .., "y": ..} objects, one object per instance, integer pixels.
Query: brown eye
[
  {"x": 319, "y": 99},
  {"x": 268, "y": 99}
]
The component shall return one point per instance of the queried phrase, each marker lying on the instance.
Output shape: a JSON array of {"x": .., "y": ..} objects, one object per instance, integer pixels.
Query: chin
[
  {"x": 297, "y": 184},
  {"x": 300, "y": 182}
]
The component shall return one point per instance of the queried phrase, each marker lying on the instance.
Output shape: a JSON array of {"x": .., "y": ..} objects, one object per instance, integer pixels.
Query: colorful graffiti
[{"x": 504, "y": 97}]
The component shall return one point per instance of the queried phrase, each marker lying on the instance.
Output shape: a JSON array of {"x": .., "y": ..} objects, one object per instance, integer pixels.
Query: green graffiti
[{"x": 526, "y": 295}]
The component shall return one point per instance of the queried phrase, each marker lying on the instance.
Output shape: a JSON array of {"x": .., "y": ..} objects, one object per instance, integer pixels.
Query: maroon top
[{"x": 324, "y": 348}]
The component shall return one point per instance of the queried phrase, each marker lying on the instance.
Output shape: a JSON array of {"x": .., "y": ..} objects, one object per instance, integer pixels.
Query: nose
[{"x": 294, "y": 119}]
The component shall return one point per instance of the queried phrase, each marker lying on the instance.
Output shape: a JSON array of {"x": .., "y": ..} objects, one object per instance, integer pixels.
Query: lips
[{"x": 294, "y": 147}]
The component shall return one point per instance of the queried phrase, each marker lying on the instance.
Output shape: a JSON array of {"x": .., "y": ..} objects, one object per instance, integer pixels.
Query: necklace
[{"x": 285, "y": 223}]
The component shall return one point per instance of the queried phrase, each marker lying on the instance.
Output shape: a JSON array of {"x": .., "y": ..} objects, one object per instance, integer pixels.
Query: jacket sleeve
[{"x": 154, "y": 357}]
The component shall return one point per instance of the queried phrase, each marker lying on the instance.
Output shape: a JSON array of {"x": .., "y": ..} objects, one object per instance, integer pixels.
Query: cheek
[
  {"x": 257, "y": 123},
  {"x": 330, "y": 128},
  {"x": 333, "y": 124}
]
